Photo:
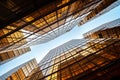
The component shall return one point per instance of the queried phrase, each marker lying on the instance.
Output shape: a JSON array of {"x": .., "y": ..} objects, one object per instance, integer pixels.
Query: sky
[{"x": 39, "y": 51}]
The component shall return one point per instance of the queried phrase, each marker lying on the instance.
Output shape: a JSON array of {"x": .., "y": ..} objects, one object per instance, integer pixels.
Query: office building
[
  {"x": 81, "y": 59},
  {"x": 13, "y": 38},
  {"x": 41, "y": 21},
  {"x": 9, "y": 55},
  {"x": 99, "y": 10},
  {"x": 107, "y": 30},
  {"x": 21, "y": 72}
]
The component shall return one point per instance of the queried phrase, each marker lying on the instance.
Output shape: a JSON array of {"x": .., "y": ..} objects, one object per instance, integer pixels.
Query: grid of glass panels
[
  {"x": 6, "y": 56},
  {"x": 24, "y": 71},
  {"x": 107, "y": 33},
  {"x": 79, "y": 60},
  {"x": 99, "y": 10},
  {"x": 56, "y": 32},
  {"x": 46, "y": 19},
  {"x": 11, "y": 39},
  {"x": 107, "y": 30}
]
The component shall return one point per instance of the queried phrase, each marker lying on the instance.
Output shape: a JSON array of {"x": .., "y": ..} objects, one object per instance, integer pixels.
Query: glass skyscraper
[
  {"x": 9, "y": 55},
  {"x": 77, "y": 59},
  {"x": 32, "y": 23},
  {"x": 107, "y": 30},
  {"x": 22, "y": 71},
  {"x": 25, "y": 23}
]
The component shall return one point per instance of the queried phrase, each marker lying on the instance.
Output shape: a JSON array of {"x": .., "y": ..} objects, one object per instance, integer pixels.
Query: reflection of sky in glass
[
  {"x": 60, "y": 54},
  {"x": 41, "y": 50},
  {"x": 39, "y": 39}
]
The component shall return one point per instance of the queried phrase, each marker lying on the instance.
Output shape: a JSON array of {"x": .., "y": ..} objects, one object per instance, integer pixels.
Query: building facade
[
  {"x": 89, "y": 58},
  {"x": 38, "y": 22},
  {"x": 99, "y": 10},
  {"x": 45, "y": 22},
  {"x": 9, "y": 55},
  {"x": 22, "y": 71},
  {"x": 78, "y": 59},
  {"x": 107, "y": 30}
]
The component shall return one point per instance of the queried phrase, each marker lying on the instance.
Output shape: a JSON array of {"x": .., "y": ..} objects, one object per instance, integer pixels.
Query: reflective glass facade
[
  {"x": 99, "y": 10},
  {"x": 21, "y": 72},
  {"x": 13, "y": 38},
  {"x": 78, "y": 58},
  {"x": 39, "y": 21},
  {"x": 107, "y": 30},
  {"x": 9, "y": 55},
  {"x": 46, "y": 21}
]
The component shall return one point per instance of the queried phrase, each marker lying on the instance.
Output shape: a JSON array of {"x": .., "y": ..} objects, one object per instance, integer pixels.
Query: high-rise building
[
  {"x": 81, "y": 58},
  {"x": 13, "y": 38},
  {"x": 40, "y": 21},
  {"x": 25, "y": 23},
  {"x": 78, "y": 59},
  {"x": 107, "y": 30},
  {"x": 9, "y": 55},
  {"x": 22, "y": 71},
  {"x": 99, "y": 10}
]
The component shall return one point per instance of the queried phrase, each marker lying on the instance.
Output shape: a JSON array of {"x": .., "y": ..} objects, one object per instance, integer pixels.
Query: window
[{"x": 100, "y": 35}]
